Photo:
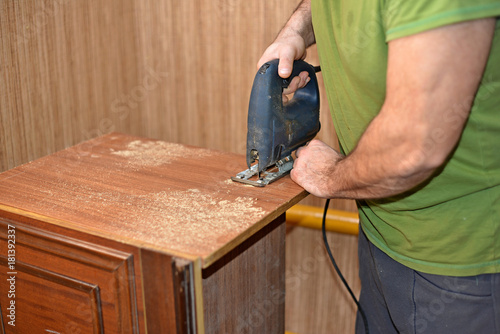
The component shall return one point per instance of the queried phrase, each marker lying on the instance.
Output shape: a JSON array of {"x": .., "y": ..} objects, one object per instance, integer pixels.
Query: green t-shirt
[{"x": 450, "y": 225}]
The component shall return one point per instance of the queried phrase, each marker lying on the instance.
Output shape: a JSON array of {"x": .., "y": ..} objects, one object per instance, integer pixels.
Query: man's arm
[
  {"x": 291, "y": 44},
  {"x": 432, "y": 78}
]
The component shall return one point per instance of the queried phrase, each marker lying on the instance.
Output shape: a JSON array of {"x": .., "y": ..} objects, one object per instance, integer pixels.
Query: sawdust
[
  {"x": 231, "y": 182},
  {"x": 191, "y": 221},
  {"x": 194, "y": 221},
  {"x": 142, "y": 153}
]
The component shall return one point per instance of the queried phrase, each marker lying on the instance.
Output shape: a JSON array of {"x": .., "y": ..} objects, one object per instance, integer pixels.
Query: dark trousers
[{"x": 397, "y": 299}]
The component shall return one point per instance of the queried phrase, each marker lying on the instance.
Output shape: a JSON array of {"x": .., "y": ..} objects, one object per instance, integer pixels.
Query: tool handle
[
  {"x": 308, "y": 94},
  {"x": 304, "y": 106},
  {"x": 275, "y": 129}
]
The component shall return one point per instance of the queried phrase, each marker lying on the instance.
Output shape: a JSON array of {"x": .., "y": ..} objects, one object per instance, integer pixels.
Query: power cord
[{"x": 323, "y": 228}]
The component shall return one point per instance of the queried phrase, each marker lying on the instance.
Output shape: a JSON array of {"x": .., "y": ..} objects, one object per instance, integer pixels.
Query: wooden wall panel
[
  {"x": 174, "y": 70},
  {"x": 62, "y": 62},
  {"x": 209, "y": 51}
]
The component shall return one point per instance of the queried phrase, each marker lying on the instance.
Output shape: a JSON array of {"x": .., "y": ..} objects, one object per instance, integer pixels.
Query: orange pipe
[{"x": 311, "y": 217}]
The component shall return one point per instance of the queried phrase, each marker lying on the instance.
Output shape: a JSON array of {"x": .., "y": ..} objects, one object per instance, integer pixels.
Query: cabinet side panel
[{"x": 244, "y": 292}]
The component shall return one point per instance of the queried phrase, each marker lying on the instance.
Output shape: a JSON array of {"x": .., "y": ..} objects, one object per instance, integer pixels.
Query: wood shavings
[
  {"x": 155, "y": 153},
  {"x": 239, "y": 184},
  {"x": 190, "y": 221}
]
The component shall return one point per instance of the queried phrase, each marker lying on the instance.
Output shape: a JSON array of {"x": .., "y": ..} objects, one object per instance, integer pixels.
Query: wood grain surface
[
  {"x": 166, "y": 196},
  {"x": 179, "y": 71}
]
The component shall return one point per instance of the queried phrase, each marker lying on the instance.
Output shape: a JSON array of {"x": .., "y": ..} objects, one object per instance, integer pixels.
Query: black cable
[
  {"x": 327, "y": 246},
  {"x": 323, "y": 228}
]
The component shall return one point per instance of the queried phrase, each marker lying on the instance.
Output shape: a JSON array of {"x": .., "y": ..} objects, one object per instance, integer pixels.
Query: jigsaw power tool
[{"x": 276, "y": 129}]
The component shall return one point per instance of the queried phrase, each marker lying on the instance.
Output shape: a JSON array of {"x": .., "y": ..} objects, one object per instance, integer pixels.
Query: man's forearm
[
  {"x": 301, "y": 23},
  {"x": 291, "y": 44},
  {"x": 385, "y": 163}
]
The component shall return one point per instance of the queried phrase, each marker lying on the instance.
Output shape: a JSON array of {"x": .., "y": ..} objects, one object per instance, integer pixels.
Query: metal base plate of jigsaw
[{"x": 284, "y": 167}]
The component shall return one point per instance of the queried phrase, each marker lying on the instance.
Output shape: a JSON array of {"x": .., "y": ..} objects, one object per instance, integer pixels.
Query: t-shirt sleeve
[{"x": 407, "y": 17}]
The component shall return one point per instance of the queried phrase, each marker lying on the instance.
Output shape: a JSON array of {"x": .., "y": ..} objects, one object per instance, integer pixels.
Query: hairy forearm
[
  {"x": 291, "y": 44},
  {"x": 301, "y": 23},
  {"x": 387, "y": 161}
]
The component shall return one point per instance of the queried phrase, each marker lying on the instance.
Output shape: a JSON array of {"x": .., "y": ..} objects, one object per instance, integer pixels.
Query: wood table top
[{"x": 170, "y": 197}]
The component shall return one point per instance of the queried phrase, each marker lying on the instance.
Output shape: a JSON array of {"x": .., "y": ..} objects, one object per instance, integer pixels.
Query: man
[{"x": 414, "y": 91}]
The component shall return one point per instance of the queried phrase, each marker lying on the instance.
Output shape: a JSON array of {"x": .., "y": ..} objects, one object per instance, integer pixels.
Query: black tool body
[{"x": 275, "y": 129}]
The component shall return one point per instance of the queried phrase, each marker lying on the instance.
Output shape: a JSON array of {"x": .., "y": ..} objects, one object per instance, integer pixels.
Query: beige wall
[{"x": 180, "y": 71}]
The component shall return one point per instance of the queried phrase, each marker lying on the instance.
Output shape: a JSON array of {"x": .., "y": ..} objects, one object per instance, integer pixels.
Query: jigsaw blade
[{"x": 282, "y": 168}]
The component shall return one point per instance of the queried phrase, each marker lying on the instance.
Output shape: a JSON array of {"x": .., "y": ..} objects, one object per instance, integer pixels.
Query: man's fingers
[
  {"x": 316, "y": 142},
  {"x": 287, "y": 56},
  {"x": 295, "y": 84},
  {"x": 293, "y": 175},
  {"x": 285, "y": 67},
  {"x": 297, "y": 153}
]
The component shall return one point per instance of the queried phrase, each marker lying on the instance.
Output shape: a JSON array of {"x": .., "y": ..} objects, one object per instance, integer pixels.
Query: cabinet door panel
[
  {"x": 66, "y": 285},
  {"x": 62, "y": 304}
]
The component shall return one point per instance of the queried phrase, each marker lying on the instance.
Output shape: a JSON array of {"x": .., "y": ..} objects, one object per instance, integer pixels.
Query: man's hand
[
  {"x": 290, "y": 45},
  {"x": 314, "y": 167}
]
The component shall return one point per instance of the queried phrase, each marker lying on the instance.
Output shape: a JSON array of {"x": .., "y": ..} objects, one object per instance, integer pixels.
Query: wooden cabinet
[{"x": 122, "y": 234}]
